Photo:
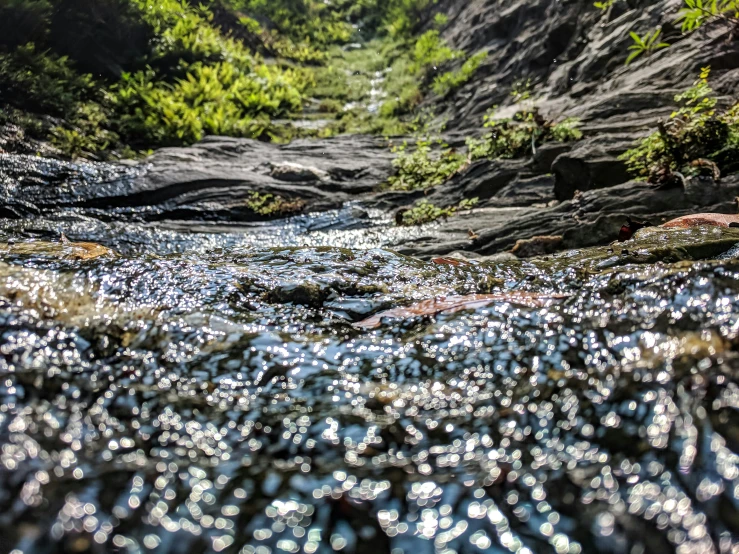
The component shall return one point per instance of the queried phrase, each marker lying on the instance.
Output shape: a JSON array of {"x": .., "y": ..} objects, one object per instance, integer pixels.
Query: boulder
[{"x": 592, "y": 164}]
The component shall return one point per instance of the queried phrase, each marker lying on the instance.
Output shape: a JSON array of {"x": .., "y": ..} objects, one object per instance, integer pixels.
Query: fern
[{"x": 645, "y": 44}]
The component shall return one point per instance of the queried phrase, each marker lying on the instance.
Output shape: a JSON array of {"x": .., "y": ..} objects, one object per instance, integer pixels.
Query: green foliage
[
  {"x": 430, "y": 163},
  {"x": 606, "y": 4},
  {"x": 522, "y": 90},
  {"x": 646, "y": 44},
  {"x": 85, "y": 134},
  {"x": 198, "y": 81},
  {"x": 41, "y": 81},
  {"x": 303, "y": 22},
  {"x": 517, "y": 136},
  {"x": 452, "y": 80},
  {"x": 441, "y": 19},
  {"x": 695, "y": 131},
  {"x": 431, "y": 51},
  {"x": 168, "y": 72},
  {"x": 402, "y": 17},
  {"x": 426, "y": 212},
  {"x": 22, "y": 21},
  {"x": 270, "y": 205},
  {"x": 697, "y": 12},
  {"x": 211, "y": 99}
]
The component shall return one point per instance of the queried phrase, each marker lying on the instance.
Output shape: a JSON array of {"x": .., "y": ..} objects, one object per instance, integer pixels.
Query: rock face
[
  {"x": 211, "y": 180},
  {"x": 574, "y": 54}
]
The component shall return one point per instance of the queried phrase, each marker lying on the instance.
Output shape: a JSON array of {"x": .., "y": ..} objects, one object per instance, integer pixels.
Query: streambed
[{"x": 208, "y": 386}]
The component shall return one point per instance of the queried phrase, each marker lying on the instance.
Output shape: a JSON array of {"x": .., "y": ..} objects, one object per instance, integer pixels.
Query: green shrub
[
  {"x": 41, "y": 81},
  {"x": 430, "y": 163},
  {"x": 23, "y": 21},
  {"x": 426, "y": 212},
  {"x": 452, "y": 80},
  {"x": 85, "y": 133},
  {"x": 605, "y": 5},
  {"x": 402, "y": 17},
  {"x": 270, "y": 205},
  {"x": 431, "y": 50},
  {"x": 214, "y": 99},
  {"x": 698, "y": 12},
  {"x": 695, "y": 131},
  {"x": 510, "y": 138}
]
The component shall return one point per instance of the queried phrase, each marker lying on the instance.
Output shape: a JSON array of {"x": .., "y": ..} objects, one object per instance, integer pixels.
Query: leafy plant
[
  {"x": 517, "y": 136},
  {"x": 645, "y": 44},
  {"x": 695, "y": 131},
  {"x": 522, "y": 90},
  {"x": 430, "y": 163},
  {"x": 697, "y": 12},
  {"x": 426, "y": 212},
  {"x": 431, "y": 50},
  {"x": 452, "y": 80},
  {"x": 41, "y": 81},
  {"x": 441, "y": 19},
  {"x": 270, "y": 205}
]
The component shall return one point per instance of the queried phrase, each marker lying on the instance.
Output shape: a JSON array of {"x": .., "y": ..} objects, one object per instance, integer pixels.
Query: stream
[{"x": 193, "y": 387}]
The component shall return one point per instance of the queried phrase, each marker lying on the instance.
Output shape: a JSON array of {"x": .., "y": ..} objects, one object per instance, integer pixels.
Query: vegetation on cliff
[
  {"x": 118, "y": 76},
  {"x": 698, "y": 138}
]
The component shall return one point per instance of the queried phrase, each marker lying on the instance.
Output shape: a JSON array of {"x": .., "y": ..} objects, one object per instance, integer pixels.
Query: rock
[
  {"x": 296, "y": 173},
  {"x": 592, "y": 164},
  {"x": 702, "y": 190},
  {"x": 211, "y": 180},
  {"x": 303, "y": 294},
  {"x": 537, "y": 246},
  {"x": 594, "y": 218},
  {"x": 707, "y": 219}
]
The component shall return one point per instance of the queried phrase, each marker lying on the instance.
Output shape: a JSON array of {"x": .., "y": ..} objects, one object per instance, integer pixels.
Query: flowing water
[{"x": 205, "y": 388}]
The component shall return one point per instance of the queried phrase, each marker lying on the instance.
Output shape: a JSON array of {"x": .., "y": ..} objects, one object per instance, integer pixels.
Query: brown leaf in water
[
  {"x": 451, "y": 304},
  {"x": 86, "y": 250},
  {"x": 450, "y": 261},
  {"x": 713, "y": 220}
]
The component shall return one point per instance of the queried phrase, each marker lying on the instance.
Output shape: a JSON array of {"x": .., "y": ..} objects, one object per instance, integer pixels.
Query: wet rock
[
  {"x": 536, "y": 246},
  {"x": 707, "y": 219},
  {"x": 592, "y": 164},
  {"x": 702, "y": 190},
  {"x": 594, "y": 217},
  {"x": 453, "y": 304},
  {"x": 302, "y": 294},
  {"x": 211, "y": 180},
  {"x": 296, "y": 173}
]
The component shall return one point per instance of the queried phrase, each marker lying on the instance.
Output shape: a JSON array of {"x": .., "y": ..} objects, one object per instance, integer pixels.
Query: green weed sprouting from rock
[
  {"x": 694, "y": 132},
  {"x": 645, "y": 45},
  {"x": 522, "y": 90},
  {"x": 517, "y": 136},
  {"x": 270, "y": 205},
  {"x": 426, "y": 212},
  {"x": 429, "y": 164}
]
